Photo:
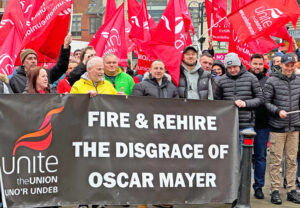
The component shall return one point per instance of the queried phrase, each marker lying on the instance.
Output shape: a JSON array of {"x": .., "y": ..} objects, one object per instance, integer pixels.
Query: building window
[
  {"x": 4, "y": 3},
  {"x": 95, "y": 23},
  {"x": 76, "y": 25}
]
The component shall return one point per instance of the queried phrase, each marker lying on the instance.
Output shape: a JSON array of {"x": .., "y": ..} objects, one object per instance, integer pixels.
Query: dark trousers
[{"x": 259, "y": 157}]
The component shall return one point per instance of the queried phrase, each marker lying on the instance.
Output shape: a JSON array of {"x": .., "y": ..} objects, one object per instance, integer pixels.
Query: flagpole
[
  {"x": 212, "y": 27},
  {"x": 71, "y": 20},
  {"x": 292, "y": 112}
]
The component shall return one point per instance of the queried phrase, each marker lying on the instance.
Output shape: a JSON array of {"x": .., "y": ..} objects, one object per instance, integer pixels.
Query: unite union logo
[{"x": 41, "y": 139}]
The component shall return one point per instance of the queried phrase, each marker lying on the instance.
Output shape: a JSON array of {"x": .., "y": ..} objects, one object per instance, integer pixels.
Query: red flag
[
  {"x": 208, "y": 7},
  {"x": 12, "y": 32},
  {"x": 170, "y": 38},
  {"x": 221, "y": 31},
  {"x": 49, "y": 27},
  {"x": 129, "y": 44},
  {"x": 110, "y": 9},
  {"x": 110, "y": 38},
  {"x": 261, "y": 17},
  {"x": 260, "y": 45},
  {"x": 133, "y": 8},
  {"x": 187, "y": 17},
  {"x": 283, "y": 33}
]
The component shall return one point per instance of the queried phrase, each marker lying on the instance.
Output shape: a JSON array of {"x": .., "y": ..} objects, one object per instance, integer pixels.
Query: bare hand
[
  {"x": 92, "y": 93},
  {"x": 282, "y": 114},
  {"x": 121, "y": 92},
  {"x": 240, "y": 103},
  {"x": 68, "y": 40}
]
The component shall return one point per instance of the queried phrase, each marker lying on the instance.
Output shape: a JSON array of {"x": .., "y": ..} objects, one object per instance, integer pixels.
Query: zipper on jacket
[{"x": 290, "y": 99}]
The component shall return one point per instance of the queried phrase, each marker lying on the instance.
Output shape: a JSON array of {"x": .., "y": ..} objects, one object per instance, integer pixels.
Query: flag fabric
[
  {"x": 170, "y": 38},
  {"x": 47, "y": 29},
  {"x": 208, "y": 7},
  {"x": 221, "y": 31},
  {"x": 110, "y": 9},
  {"x": 12, "y": 27},
  {"x": 261, "y": 17},
  {"x": 110, "y": 38},
  {"x": 283, "y": 33}
]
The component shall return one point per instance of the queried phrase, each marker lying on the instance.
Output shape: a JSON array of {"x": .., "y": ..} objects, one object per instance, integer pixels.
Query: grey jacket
[
  {"x": 204, "y": 83},
  {"x": 244, "y": 86},
  {"x": 150, "y": 87},
  {"x": 282, "y": 93}
]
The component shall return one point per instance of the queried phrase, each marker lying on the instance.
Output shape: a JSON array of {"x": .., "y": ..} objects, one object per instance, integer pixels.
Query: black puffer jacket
[
  {"x": 261, "y": 113},
  {"x": 76, "y": 73},
  {"x": 150, "y": 87},
  {"x": 204, "y": 81},
  {"x": 19, "y": 80},
  {"x": 243, "y": 86},
  {"x": 282, "y": 93}
]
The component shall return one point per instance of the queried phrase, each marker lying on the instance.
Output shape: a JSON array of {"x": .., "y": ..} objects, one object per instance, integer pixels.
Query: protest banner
[{"x": 64, "y": 150}]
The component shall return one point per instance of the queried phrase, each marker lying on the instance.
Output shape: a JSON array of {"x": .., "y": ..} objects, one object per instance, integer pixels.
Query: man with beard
[
  {"x": 93, "y": 81},
  {"x": 261, "y": 128},
  {"x": 194, "y": 82}
]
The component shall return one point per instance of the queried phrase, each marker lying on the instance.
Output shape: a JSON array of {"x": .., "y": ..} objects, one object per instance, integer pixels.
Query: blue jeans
[{"x": 259, "y": 157}]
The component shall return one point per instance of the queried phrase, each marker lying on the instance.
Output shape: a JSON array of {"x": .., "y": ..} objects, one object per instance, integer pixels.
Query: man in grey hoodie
[{"x": 194, "y": 82}]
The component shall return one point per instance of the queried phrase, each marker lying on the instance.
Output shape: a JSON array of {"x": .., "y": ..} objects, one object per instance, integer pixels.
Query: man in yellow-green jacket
[
  {"x": 93, "y": 82},
  {"x": 120, "y": 80}
]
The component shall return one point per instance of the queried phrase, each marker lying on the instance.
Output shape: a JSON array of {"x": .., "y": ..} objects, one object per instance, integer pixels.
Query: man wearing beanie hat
[
  {"x": 194, "y": 82},
  {"x": 243, "y": 88},
  {"x": 29, "y": 59}
]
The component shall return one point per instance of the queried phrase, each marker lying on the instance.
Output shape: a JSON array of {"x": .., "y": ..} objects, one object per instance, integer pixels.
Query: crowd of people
[{"x": 267, "y": 97}]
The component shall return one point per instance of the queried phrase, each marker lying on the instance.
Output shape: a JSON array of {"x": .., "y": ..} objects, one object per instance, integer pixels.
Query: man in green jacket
[{"x": 122, "y": 82}]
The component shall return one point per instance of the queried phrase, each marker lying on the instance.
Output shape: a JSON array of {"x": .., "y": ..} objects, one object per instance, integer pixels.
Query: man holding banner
[
  {"x": 243, "y": 88},
  {"x": 281, "y": 95}
]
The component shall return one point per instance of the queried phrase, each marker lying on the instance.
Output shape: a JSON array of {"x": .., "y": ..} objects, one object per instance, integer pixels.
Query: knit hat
[
  {"x": 25, "y": 53},
  {"x": 232, "y": 59}
]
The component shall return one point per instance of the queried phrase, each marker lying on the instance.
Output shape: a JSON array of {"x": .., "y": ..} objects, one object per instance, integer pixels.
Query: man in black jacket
[
  {"x": 282, "y": 94},
  {"x": 156, "y": 83},
  {"x": 261, "y": 128},
  {"x": 29, "y": 59},
  {"x": 243, "y": 88},
  {"x": 194, "y": 82}
]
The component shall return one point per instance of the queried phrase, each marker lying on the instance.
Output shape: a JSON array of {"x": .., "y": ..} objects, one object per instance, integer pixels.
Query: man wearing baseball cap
[
  {"x": 243, "y": 88},
  {"x": 281, "y": 95},
  {"x": 29, "y": 59},
  {"x": 194, "y": 82}
]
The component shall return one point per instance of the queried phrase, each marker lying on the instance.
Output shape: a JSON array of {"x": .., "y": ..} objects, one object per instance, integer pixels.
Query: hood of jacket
[
  {"x": 282, "y": 76},
  {"x": 195, "y": 70}
]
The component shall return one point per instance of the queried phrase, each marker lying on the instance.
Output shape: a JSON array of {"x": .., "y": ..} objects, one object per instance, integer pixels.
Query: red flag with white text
[
  {"x": 12, "y": 29},
  {"x": 221, "y": 31},
  {"x": 47, "y": 29},
  {"x": 110, "y": 38},
  {"x": 170, "y": 38},
  {"x": 261, "y": 17}
]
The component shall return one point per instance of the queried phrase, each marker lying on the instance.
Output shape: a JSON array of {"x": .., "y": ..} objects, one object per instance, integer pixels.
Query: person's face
[
  {"x": 190, "y": 57},
  {"x": 42, "y": 80},
  {"x": 277, "y": 60},
  {"x": 206, "y": 63},
  {"x": 29, "y": 61},
  {"x": 233, "y": 70},
  {"x": 288, "y": 69},
  {"x": 90, "y": 53},
  {"x": 157, "y": 70},
  {"x": 257, "y": 65},
  {"x": 96, "y": 72},
  {"x": 111, "y": 64},
  {"x": 77, "y": 54},
  {"x": 71, "y": 66},
  {"x": 218, "y": 70}
]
